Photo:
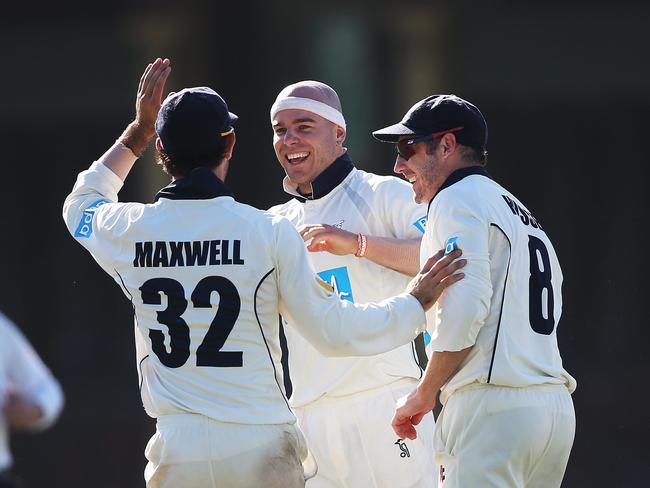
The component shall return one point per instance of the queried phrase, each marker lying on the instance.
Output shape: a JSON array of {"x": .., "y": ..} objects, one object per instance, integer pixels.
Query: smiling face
[
  {"x": 305, "y": 145},
  {"x": 425, "y": 171}
]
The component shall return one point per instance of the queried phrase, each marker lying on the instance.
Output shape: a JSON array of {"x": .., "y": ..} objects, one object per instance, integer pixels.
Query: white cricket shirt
[
  {"x": 207, "y": 277},
  {"x": 359, "y": 202},
  {"x": 23, "y": 372},
  {"x": 509, "y": 304}
]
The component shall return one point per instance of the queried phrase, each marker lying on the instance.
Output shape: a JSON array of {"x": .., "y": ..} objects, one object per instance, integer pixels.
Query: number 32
[{"x": 209, "y": 352}]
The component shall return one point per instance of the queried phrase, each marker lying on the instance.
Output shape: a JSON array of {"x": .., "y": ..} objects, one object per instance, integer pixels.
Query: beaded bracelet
[{"x": 362, "y": 243}]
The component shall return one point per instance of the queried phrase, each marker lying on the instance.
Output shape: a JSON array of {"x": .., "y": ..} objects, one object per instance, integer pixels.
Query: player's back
[
  {"x": 206, "y": 341},
  {"x": 516, "y": 276},
  {"x": 200, "y": 271}
]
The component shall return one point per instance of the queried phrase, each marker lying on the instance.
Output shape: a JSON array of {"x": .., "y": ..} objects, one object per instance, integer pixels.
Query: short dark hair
[
  {"x": 181, "y": 167},
  {"x": 469, "y": 154}
]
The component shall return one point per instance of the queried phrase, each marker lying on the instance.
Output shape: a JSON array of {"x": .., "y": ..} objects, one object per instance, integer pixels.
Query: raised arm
[
  {"x": 100, "y": 183},
  {"x": 138, "y": 134}
]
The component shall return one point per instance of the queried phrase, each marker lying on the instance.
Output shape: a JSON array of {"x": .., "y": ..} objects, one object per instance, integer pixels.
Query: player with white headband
[{"x": 364, "y": 232}]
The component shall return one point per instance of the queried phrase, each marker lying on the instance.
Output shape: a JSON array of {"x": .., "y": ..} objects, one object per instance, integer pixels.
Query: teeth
[
  {"x": 411, "y": 179},
  {"x": 297, "y": 155}
]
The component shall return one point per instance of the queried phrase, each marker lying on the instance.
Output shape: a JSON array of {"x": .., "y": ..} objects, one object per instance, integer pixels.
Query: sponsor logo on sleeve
[
  {"x": 85, "y": 227},
  {"x": 421, "y": 223},
  {"x": 339, "y": 280},
  {"x": 451, "y": 245}
]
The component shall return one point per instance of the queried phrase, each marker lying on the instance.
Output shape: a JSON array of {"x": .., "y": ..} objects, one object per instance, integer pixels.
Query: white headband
[{"x": 314, "y": 106}]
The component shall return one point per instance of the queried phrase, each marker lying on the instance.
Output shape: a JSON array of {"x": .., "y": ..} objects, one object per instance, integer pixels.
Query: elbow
[{"x": 68, "y": 214}]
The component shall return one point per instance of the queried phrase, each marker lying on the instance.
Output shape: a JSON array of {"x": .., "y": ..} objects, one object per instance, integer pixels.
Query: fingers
[
  {"x": 160, "y": 84},
  {"x": 431, "y": 261},
  {"x": 144, "y": 74},
  {"x": 449, "y": 270},
  {"x": 153, "y": 78},
  {"x": 148, "y": 74},
  {"x": 317, "y": 246},
  {"x": 450, "y": 280},
  {"x": 403, "y": 427},
  {"x": 309, "y": 231},
  {"x": 442, "y": 263},
  {"x": 159, "y": 71}
]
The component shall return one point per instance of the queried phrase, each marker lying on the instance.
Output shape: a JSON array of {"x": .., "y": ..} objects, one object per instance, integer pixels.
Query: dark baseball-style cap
[
  {"x": 439, "y": 113},
  {"x": 191, "y": 123}
]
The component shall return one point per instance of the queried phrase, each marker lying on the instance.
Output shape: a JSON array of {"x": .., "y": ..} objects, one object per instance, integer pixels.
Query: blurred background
[{"x": 564, "y": 86}]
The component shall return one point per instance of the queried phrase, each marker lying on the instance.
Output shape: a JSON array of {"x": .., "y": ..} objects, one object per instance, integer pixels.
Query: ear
[
  {"x": 159, "y": 146},
  {"x": 448, "y": 144},
  {"x": 340, "y": 135},
  {"x": 230, "y": 145}
]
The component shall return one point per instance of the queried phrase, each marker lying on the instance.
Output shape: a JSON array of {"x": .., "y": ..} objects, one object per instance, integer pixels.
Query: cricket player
[
  {"x": 207, "y": 278},
  {"x": 364, "y": 232},
  {"x": 31, "y": 398},
  {"x": 508, "y": 418}
]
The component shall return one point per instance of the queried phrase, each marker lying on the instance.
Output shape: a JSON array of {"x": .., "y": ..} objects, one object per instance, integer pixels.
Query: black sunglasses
[{"x": 405, "y": 147}]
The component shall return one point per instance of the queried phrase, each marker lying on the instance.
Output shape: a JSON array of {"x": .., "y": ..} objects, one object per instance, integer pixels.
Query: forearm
[
  {"x": 122, "y": 155},
  {"x": 402, "y": 255},
  {"x": 442, "y": 366},
  {"x": 119, "y": 159}
]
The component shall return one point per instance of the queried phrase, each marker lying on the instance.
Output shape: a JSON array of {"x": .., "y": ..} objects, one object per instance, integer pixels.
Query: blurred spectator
[{"x": 30, "y": 397}]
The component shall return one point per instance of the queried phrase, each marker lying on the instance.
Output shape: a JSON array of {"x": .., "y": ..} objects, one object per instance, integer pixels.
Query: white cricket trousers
[
  {"x": 194, "y": 451},
  {"x": 354, "y": 445},
  {"x": 501, "y": 437}
]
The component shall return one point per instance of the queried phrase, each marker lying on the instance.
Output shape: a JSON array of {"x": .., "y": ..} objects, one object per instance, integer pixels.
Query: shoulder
[
  {"x": 271, "y": 218},
  {"x": 471, "y": 191},
  {"x": 284, "y": 208},
  {"x": 381, "y": 182},
  {"x": 115, "y": 215},
  {"x": 382, "y": 187}
]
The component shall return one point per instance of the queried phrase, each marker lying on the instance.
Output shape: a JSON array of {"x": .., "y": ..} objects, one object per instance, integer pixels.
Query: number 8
[{"x": 540, "y": 280}]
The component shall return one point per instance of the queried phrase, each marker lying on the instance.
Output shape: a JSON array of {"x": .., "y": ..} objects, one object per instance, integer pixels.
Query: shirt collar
[
  {"x": 325, "y": 182},
  {"x": 458, "y": 175},
  {"x": 200, "y": 184}
]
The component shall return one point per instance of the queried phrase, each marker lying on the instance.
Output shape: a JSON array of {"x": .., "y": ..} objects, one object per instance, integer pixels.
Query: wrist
[
  {"x": 362, "y": 244},
  {"x": 136, "y": 138},
  {"x": 428, "y": 392}
]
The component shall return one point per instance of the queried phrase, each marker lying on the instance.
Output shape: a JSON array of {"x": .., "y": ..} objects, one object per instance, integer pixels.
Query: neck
[{"x": 306, "y": 188}]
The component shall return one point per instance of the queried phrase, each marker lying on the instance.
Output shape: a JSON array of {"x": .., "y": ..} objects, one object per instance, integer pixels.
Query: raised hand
[
  {"x": 149, "y": 96},
  {"x": 147, "y": 104}
]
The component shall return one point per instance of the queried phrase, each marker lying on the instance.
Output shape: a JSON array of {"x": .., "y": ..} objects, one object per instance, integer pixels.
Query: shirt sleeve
[
  {"x": 337, "y": 327},
  {"x": 462, "y": 310},
  {"x": 90, "y": 211},
  {"x": 28, "y": 376}
]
